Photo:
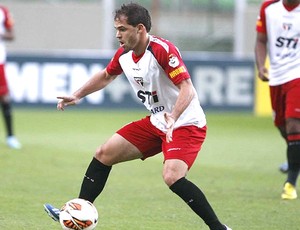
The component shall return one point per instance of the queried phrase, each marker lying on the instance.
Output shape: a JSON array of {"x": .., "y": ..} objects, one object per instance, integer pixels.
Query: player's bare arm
[
  {"x": 186, "y": 94},
  {"x": 99, "y": 81},
  {"x": 260, "y": 56},
  {"x": 8, "y": 35}
]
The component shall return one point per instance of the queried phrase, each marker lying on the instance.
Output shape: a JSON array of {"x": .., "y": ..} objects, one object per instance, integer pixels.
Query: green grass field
[{"x": 237, "y": 169}]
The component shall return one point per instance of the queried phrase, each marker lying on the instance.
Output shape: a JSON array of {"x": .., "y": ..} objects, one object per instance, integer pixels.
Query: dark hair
[{"x": 135, "y": 14}]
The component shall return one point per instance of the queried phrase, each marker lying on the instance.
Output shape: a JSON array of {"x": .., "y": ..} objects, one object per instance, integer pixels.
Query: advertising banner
[{"x": 222, "y": 83}]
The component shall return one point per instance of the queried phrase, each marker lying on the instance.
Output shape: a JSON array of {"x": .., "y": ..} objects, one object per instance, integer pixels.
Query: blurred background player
[
  {"x": 6, "y": 34},
  {"x": 278, "y": 33}
]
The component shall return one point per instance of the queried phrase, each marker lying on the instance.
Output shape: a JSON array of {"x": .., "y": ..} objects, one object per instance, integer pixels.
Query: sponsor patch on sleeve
[
  {"x": 173, "y": 60},
  {"x": 177, "y": 71}
]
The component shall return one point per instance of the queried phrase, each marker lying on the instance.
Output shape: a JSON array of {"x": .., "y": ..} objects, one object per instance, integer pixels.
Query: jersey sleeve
[
  {"x": 8, "y": 20},
  {"x": 171, "y": 61},
  {"x": 261, "y": 25},
  {"x": 114, "y": 67}
]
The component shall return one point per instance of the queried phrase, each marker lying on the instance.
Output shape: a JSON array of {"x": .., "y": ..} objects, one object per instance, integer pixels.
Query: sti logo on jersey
[
  {"x": 147, "y": 97},
  {"x": 287, "y": 42}
]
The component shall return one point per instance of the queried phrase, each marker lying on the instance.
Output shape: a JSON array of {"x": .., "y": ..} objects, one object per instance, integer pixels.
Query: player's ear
[{"x": 140, "y": 28}]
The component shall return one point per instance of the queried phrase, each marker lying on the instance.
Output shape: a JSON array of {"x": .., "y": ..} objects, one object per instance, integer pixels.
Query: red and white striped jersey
[
  {"x": 153, "y": 77},
  {"x": 282, "y": 26}
]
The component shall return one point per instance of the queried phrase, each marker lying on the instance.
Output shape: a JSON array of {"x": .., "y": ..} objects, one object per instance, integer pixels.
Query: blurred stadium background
[
  {"x": 194, "y": 25},
  {"x": 216, "y": 38}
]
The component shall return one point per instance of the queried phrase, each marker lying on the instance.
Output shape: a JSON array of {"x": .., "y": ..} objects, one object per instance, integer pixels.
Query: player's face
[{"x": 127, "y": 35}]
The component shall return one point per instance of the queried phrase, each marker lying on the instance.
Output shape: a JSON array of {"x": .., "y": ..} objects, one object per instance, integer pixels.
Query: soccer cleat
[
  {"x": 13, "y": 142},
  {"x": 284, "y": 167},
  {"x": 289, "y": 192},
  {"x": 52, "y": 211}
]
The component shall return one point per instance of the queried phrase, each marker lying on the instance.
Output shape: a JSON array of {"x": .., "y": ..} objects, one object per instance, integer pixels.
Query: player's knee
[
  {"x": 169, "y": 180},
  {"x": 101, "y": 155},
  {"x": 170, "y": 177},
  {"x": 98, "y": 153},
  {"x": 293, "y": 125}
]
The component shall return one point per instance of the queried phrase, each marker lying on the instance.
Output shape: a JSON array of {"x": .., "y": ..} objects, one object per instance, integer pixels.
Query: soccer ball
[{"x": 78, "y": 214}]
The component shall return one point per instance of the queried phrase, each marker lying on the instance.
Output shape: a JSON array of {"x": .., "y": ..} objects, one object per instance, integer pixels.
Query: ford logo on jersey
[{"x": 157, "y": 109}]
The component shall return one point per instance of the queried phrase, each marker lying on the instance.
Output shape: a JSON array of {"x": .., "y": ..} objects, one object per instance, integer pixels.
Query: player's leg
[
  {"x": 284, "y": 166},
  {"x": 127, "y": 144},
  {"x": 133, "y": 141},
  {"x": 11, "y": 140},
  {"x": 117, "y": 149},
  {"x": 293, "y": 156},
  {"x": 293, "y": 152},
  {"x": 278, "y": 108},
  {"x": 179, "y": 157},
  {"x": 174, "y": 176},
  {"x": 292, "y": 115}
]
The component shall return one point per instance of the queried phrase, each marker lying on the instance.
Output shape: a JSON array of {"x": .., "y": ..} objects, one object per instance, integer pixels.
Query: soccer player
[
  {"x": 278, "y": 34},
  {"x": 176, "y": 126},
  {"x": 6, "y": 34}
]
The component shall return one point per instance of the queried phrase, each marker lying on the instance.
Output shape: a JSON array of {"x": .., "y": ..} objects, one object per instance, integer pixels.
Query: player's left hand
[{"x": 170, "y": 126}]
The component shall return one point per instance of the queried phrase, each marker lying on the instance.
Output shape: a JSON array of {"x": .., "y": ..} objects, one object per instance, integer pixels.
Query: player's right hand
[
  {"x": 263, "y": 74},
  {"x": 64, "y": 101}
]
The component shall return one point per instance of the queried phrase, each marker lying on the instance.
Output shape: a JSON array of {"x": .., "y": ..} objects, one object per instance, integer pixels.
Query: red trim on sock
[{"x": 293, "y": 137}]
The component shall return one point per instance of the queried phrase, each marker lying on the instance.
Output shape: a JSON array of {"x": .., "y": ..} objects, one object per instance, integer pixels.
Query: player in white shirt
[
  {"x": 278, "y": 34},
  {"x": 6, "y": 34},
  {"x": 176, "y": 126}
]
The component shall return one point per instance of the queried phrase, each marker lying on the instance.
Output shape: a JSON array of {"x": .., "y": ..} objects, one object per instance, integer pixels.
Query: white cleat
[{"x": 13, "y": 142}]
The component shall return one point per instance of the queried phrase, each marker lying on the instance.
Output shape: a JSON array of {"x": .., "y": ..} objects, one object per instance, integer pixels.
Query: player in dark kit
[{"x": 176, "y": 126}]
